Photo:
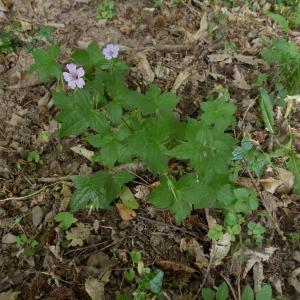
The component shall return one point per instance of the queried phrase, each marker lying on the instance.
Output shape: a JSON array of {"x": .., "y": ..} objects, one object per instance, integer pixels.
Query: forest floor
[{"x": 188, "y": 49}]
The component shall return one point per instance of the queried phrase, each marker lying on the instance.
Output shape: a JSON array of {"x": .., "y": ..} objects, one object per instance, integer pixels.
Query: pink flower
[
  {"x": 74, "y": 76},
  {"x": 111, "y": 51}
]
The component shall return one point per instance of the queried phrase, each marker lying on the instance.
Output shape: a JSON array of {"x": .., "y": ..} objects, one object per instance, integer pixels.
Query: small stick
[
  {"x": 277, "y": 228},
  {"x": 30, "y": 195},
  {"x": 230, "y": 286}
]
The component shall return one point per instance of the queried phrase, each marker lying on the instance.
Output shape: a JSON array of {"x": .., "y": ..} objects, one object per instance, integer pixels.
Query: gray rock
[
  {"x": 37, "y": 215},
  {"x": 9, "y": 238}
]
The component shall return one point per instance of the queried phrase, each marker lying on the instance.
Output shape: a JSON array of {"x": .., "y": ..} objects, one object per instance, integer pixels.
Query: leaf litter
[{"x": 221, "y": 68}]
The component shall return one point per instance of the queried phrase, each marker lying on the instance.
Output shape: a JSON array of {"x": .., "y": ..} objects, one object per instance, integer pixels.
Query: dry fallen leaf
[
  {"x": 239, "y": 80},
  {"x": 144, "y": 67},
  {"x": 195, "y": 250},
  {"x": 142, "y": 192},
  {"x": 220, "y": 249},
  {"x": 181, "y": 79},
  {"x": 174, "y": 266},
  {"x": 77, "y": 235},
  {"x": 79, "y": 149},
  {"x": 282, "y": 183},
  {"x": 94, "y": 288},
  {"x": 125, "y": 212},
  {"x": 293, "y": 280},
  {"x": 218, "y": 57},
  {"x": 9, "y": 295},
  {"x": 202, "y": 32},
  {"x": 66, "y": 197}
]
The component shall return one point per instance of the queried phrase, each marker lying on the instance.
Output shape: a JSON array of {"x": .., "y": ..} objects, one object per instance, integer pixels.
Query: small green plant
[
  {"x": 176, "y": 2},
  {"x": 249, "y": 157},
  {"x": 105, "y": 10},
  {"x": 220, "y": 294},
  {"x": 8, "y": 42},
  {"x": 47, "y": 33},
  {"x": 34, "y": 156},
  {"x": 256, "y": 230},
  {"x": 29, "y": 244},
  {"x": 286, "y": 58},
  {"x": 124, "y": 125},
  {"x": 216, "y": 233},
  {"x": 65, "y": 220},
  {"x": 295, "y": 236},
  {"x": 147, "y": 282}
]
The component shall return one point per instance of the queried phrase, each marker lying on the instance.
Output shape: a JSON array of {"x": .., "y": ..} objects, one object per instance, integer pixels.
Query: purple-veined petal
[
  {"x": 71, "y": 68},
  {"x": 72, "y": 84},
  {"x": 80, "y": 72},
  {"x": 80, "y": 83},
  {"x": 67, "y": 76}
]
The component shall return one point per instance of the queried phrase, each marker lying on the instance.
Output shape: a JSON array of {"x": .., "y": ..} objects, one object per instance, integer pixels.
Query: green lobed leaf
[
  {"x": 77, "y": 113},
  {"x": 178, "y": 196},
  {"x": 97, "y": 190},
  {"x": 89, "y": 57},
  {"x": 46, "y": 62}
]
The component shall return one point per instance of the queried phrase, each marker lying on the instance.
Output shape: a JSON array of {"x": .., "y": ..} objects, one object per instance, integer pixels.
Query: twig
[
  {"x": 30, "y": 195},
  {"x": 277, "y": 228},
  {"x": 54, "y": 179},
  {"x": 230, "y": 286},
  {"x": 205, "y": 277},
  {"x": 168, "y": 225}
]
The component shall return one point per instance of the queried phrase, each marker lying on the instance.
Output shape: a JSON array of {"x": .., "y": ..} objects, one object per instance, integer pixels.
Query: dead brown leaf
[
  {"x": 79, "y": 149},
  {"x": 174, "y": 266},
  {"x": 66, "y": 197},
  {"x": 77, "y": 235},
  {"x": 9, "y": 295},
  {"x": 144, "y": 68},
  {"x": 125, "y": 212},
  {"x": 218, "y": 57},
  {"x": 239, "y": 80}
]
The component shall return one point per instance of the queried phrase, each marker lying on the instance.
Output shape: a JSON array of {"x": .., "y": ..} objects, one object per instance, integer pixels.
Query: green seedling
[
  {"x": 65, "y": 220},
  {"x": 256, "y": 230},
  {"x": 29, "y": 244}
]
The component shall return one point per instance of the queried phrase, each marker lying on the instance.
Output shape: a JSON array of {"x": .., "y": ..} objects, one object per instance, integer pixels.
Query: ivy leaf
[
  {"x": 155, "y": 284},
  {"x": 46, "y": 62},
  {"x": 77, "y": 113},
  {"x": 89, "y": 57},
  {"x": 97, "y": 190},
  {"x": 178, "y": 196}
]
